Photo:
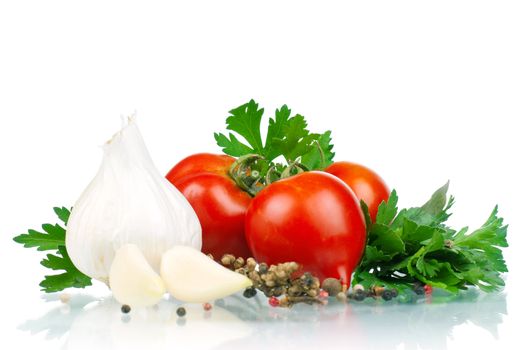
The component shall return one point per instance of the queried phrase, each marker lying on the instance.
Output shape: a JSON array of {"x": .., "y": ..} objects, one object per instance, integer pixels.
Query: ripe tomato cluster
[{"x": 313, "y": 218}]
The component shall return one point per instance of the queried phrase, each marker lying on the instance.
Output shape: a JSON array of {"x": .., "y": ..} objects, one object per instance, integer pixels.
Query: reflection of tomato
[
  {"x": 364, "y": 182},
  {"x": 219, "y": 203},
  {"x": 312, "y": 218}
]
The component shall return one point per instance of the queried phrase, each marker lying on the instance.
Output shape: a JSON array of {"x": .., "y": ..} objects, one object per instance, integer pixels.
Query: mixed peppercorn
[{"x": 285, "y": 286}]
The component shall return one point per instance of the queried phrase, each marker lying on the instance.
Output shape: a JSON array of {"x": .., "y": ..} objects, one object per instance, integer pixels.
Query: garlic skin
[
  {"x": 132, "y": 280},
  {"x": 128, "y": 201}
]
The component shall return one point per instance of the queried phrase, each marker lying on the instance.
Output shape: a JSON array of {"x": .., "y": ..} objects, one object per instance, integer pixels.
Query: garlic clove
[
  {"x": 191, "y": 276},
  {"x": 132, "y": 280}
]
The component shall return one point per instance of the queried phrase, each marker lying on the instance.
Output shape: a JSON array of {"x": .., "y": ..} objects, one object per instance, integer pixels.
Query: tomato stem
[
  {"x": 247, "y": 179},
  {"x": 293, "y": 165}
]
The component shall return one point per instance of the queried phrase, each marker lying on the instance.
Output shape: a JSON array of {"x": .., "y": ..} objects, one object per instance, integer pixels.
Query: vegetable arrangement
[{"x": 278, "y": 215}]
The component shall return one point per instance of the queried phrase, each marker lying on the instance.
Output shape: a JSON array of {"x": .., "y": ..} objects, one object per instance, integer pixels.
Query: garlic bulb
[{"x": 128, "y": 201}]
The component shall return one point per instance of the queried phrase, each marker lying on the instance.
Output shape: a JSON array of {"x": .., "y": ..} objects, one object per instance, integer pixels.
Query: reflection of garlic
[
  {"x": 128, "y": 201},
  {"x": 191, "y": 276},
  {"x": 132, "y": 280}
]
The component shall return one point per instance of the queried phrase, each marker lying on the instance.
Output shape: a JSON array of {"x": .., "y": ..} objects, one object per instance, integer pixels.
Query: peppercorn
[
  {"x": 332, "y": 286},
  {"x": 249, "y": 292},
  {"x": 419, "y": 290},
  {"x": 274, "y": 302},
  {"x": 64, "y": 298},
  {"x": 377, "y": 290},
  {"x": 181, "y": 311},
  {"x": 359, "y": 295},
  {"x": 125, "y": 309},
  {"x": 358, "y": 287},
  {"x": 284, "y": 302},
  {"x": 262, "y": 268},
  {"x": 386, "y": 294},
  {"x": 428, "y": 289},
  {"x": 207, "y": 306},
  {"x": 276, "y": 280},
  {"x": 227, "y": 259},
  {"x": 251, "y": 264},
  {"x": 341, "y": 296},
  {"x": 239, "y": 262}
]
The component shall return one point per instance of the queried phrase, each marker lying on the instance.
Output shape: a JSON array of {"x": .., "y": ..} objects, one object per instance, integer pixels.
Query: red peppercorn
[
  {"x": 207, "y": 306},
  {"x": 323, "y": 294},
  {"x": 274, "y": 302},
  {"x": 428, "y": 289}
]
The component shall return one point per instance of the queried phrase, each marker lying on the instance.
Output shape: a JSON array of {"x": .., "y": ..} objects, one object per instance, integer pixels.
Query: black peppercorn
[
  {"x": 125, "y": 309},
  {"x": 181, "y": 311},
  {"x": 387, "y": 294},
  {"x": 359, "y": 295},
  {"x": 249, "y": 292},
  {"x": 419, "y": 290}
]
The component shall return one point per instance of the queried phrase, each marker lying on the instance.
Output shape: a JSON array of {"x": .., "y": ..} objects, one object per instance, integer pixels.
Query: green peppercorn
[
  {"x": 125, "y": 309},
  {"x": 181, "y": 311}
]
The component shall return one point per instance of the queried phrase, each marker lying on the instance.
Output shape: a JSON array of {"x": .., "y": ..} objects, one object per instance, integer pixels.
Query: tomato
[
  {"x": 219, "y": 203},
  {"x": 312, "y": 218},
  {"x": 365, "y": 183},
  {"x": 201, "y": 163}
]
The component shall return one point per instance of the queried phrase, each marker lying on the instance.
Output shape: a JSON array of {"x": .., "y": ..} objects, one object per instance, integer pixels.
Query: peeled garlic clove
[
  {"x": 128, "y": 201},
  {"x": 191, "y": 276},
  {"x": 132, "y": 280}
]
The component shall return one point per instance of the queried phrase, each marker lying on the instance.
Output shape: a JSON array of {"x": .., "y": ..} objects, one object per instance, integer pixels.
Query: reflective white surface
[{"x": 437, "y": 322}]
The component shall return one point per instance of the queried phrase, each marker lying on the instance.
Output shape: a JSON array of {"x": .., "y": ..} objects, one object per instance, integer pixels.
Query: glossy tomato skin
[
  {"x": 364, "y": 182},
  {"x": 219, "y": 203},
  {"x": 312, "y": 218},
  {"x": 200, "y": 163}
]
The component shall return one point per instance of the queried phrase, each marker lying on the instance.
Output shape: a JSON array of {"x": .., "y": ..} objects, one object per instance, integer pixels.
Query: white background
[{"x": 420, "y": 91}]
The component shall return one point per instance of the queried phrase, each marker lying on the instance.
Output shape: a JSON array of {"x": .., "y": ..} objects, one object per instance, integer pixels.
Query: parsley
[
  {"x": 53, "y": 238},
  {"x": 414, "y": 245},
  {"x": 287, "y": 136}
]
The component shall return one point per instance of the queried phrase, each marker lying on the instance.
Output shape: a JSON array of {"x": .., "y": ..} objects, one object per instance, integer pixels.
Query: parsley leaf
[
  {"x": 287, "y": 136},
  {"x": 72, "y": 277},
  {"x": 53, "y": 238},
  {"x": 414, "y": 245}
]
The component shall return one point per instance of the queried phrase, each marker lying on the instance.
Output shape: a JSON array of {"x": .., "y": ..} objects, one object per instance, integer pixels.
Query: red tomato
[
  {"x": 219, "y": 203},
  {"x": 312, "y": 218},
  {"x": 364, "y": 182},
  {"x": 201, "y": 163}
]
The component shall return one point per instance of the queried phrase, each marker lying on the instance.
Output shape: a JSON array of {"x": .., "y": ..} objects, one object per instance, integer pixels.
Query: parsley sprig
[
  {"x": 287, "y": 136},
  {"x": 53, "y": 239},
  {"x": 415, "y": 245}
]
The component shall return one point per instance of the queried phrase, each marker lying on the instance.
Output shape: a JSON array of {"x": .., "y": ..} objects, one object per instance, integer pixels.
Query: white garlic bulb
[{"x": 128, "y": 201}]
